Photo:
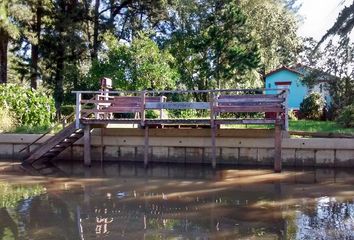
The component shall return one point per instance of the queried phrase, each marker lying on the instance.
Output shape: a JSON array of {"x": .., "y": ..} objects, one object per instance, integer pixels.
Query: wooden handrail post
[
  {"x": 142, "y": 111},
  {"x": 277, "y": 146},
  {"x": 286, "y": 109},
  {"x": 78, "y": 110},
  {"x": 213, "y": 130}
]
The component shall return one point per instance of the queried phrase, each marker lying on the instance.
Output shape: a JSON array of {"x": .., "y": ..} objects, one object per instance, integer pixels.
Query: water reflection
[{"x": 171, "y": 202}]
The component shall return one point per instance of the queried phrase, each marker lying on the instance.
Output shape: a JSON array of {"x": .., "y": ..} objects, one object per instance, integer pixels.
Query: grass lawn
[
  {"x": 318, "y": 126},
  {"x": 306, "y": 126},
  {"x": 300, "y": 125}
]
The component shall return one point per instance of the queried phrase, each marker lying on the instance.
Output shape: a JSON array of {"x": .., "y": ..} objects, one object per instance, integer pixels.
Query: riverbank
[{"x": 252, "y": 147}]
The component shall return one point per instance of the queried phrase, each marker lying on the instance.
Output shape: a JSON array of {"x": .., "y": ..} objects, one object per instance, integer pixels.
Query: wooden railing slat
[{"x": 177, "y": 105}]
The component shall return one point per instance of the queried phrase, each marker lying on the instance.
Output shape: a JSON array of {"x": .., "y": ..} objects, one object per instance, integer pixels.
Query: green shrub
[
  {"x": 187, "y": 113},
  {"x": 312, "y": 107},
  {"x": 152, "y": 114},
  {"x": 346, "y": 116},
  {"x": 7, "y": 120},
  {"x": 30, "y": 107},
  {"x": 66, "y": 110}
]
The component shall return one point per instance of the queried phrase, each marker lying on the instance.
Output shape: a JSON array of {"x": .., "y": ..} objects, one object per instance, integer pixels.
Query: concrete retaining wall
[{"x": 234, "y": 147}]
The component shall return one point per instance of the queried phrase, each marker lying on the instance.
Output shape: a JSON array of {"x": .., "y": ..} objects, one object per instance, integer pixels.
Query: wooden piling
[
  {"x": 146, "y": 146},
  {"x": 277, "y": 147},
  {"x": 213, "y": 131},
  {"x": 87, "y": 145}
]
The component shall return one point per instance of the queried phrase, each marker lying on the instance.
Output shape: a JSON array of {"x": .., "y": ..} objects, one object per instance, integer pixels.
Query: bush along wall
[
  {"x": 30, "y": 107},
  {"x": 312, "y": 107},
  {"x": 346, "y": 117}
]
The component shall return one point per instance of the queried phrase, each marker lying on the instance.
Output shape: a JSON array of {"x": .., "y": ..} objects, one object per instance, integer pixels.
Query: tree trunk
[
  {"x": 59, "y": 78},
  {"x": 4, "y": 41},
  {"x": 95, "y": 31},
  {"x": 35, "y": 49}
]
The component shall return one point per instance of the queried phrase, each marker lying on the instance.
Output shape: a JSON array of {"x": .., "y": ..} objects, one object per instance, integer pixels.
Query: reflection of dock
[
  {"x": 149, "y": 214},
  {"x": 218, "y": 107}
]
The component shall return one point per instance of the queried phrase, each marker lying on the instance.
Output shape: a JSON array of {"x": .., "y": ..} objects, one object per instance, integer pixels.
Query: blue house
[{"x": 290, "y": 78}]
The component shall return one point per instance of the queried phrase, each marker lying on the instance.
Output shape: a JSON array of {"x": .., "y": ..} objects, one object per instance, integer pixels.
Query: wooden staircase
[{"x": 55, "y": 145}]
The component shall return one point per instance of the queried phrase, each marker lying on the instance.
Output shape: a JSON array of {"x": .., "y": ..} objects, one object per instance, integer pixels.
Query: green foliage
[
  {"x": 66, "y": 110},
  {"x": 344, "y": 24},
  {"x": 31, "y": 129},
  {"x": 213, "y": 45},
  {"x": 187, "y": 113},
  {"x": 152, "y": 114},
  {"x": 141, "y": 65},
  {"x": 335, "y": 64},
  {"x": 346, "y": 117},
  {"x": 30, "y": 107},
  {"x": 307, "y": 126},
  {"x": 275, "y": 28},
  {"x": 312, "y": 106},
  {"x": 7, "y": 120},
  {"x": 191, "y": 44}
]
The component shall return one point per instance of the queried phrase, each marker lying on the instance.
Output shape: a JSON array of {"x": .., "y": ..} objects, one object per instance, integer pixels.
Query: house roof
[{"x": 281, "y": 69}]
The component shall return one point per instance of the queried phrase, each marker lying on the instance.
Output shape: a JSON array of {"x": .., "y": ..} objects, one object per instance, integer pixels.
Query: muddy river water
[{"x": 124, "y": 201}]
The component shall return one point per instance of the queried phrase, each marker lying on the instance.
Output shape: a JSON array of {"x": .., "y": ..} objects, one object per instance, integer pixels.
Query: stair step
[
  {"x": 72, "y": 138},
  {"x": 64, "y": 144},
  {"x": 49, "y": 154},
  {"x": 55, "y": 145}
]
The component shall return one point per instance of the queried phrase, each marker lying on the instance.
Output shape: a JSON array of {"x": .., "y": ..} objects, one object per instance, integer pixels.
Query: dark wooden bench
[
  {"x": 258, "y": 103},
  {"x": 121, "y": 104}
]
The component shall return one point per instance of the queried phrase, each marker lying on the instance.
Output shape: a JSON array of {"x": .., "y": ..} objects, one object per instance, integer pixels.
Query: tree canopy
[{"x": 194, "y": 44}]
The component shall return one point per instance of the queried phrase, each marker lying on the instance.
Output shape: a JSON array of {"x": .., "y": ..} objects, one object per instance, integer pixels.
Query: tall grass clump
[{"x": 8, "y": 121}]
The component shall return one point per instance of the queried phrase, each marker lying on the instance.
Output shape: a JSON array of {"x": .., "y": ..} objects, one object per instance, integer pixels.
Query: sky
[{"x": 319, "y": 16}]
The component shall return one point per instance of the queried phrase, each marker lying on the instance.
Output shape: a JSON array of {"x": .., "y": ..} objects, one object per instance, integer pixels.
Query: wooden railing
[
  {"x": 66, "y": 120},
  {"x": 63, "y": 122},
  {"x": 108, "y": 103}
]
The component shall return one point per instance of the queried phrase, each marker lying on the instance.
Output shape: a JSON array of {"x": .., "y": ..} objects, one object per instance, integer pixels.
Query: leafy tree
[
  {"x": 34, "y": 15},
  {"x": 335, "y": 65},
  {"x": 140, "y": 65},
  {"x": 275, "y": 26},
  {"x": 62, "y": 44},
  {"x": 212, "y": 44},
  {"x": 343, "y": 25}
]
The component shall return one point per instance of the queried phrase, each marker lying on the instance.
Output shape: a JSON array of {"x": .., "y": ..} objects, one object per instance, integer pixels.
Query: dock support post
[
  {"x": 146, "y": 146},
  {"x": 277, "y": 147},
  {"x": 213, "y": 131},
  {"x": 213, "y": 146},
  {"x": 87, "y": 145}
]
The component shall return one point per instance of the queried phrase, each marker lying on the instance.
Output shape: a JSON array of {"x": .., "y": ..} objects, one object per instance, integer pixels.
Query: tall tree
[
  {"x": 7, "y": 31},
  {"x": 343, "y": 26},
  {"x": 30, "y": 23},
  {"x": 275, "y": 28},
  {"x": 140, "y": 65},
  {"x": 213, "y": 44},
  {"x": 62, "y": 43}
]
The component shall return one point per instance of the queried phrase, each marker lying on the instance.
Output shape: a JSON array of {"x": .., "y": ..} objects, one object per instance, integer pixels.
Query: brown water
[{"x": 175, "y": 202}]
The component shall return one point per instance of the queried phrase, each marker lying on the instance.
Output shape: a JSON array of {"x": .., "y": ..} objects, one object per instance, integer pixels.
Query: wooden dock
[{"x": 97, "y": 109}]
